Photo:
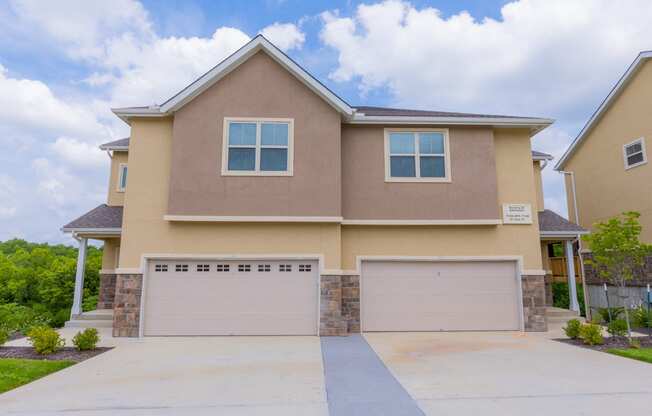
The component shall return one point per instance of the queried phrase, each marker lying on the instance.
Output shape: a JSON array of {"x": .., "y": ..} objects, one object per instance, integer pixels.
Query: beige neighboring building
[
  {"x": 259, "y": 202},
  {"x": 607, "y": 164}
]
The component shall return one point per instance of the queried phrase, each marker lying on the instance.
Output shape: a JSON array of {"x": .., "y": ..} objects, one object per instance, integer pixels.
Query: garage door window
[
  {"x": 161, "y": 268},
  {"x": 305, "y": 267},
  {"x": 181, "y": 268},
  {"x": 203, "y": 268},
  {"x": 222, "y": 268},
  {"x": 285, "y": 268},
  {"x": 264, "y": 268},
  {"x": 244, "y": 267}
]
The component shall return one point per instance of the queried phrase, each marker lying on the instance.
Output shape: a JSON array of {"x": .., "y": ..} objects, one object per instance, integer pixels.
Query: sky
[{"x": 64, "y": 64}]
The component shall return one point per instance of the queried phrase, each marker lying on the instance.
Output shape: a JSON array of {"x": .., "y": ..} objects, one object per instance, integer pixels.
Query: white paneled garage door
[
  {"x": 439, "y": 296},
  {"x": 247, "y": 297}
]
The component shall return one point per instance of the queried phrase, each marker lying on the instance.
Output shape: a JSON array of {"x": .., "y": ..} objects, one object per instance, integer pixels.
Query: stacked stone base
[
  {"x": 106, "y": 293},
  {"x": 534, "y": 303},
  {"x": 126, "y": 309},
  {"x": 339, "y": 305}
]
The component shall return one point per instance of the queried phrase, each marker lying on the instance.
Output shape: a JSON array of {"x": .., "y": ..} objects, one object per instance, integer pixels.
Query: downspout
[{"x": 587, "y": 309}]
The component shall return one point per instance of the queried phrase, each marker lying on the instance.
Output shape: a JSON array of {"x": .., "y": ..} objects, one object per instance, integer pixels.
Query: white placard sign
[{"x": 517, "y": 214}]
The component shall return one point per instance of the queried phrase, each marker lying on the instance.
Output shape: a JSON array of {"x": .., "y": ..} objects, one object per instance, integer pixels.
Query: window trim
[
  {"x": 447, "y": 160},
  {"x": 257, "y": 172},
  {"x": 640, "y": 140},
  {"x": 121, "y": 169}
]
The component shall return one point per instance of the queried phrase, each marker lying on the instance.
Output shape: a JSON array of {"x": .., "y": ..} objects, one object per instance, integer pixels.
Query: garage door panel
[
  {"x": 273, "y": 302},
  {"x": 433, "y": 296}
]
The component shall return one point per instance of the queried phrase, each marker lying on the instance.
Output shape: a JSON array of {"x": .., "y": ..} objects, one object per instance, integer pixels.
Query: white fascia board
[
  {"x": 604, "y": 106},
  {"x": 115, "y": 148},
  {"x": 562, "y": 233},
  {"x": 240, "y": 56},
  {"x": 96, "y": 231},
  {"x": 125, "y": 113},
  {"x": 542, "y": 158}
]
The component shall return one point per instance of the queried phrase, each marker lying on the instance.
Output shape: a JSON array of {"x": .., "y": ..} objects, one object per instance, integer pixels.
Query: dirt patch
[
  {"x": 66, "y": 353},
  {"x": 609, "y": 343}
]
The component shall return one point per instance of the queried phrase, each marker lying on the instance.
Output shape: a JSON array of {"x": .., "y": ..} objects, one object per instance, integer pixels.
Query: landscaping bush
[
  {"x": 561, "y": 298},
  {"x": 617, "y": 328},
  {"x": 603, "y": 313},
  {"x": 89, "y": 303},
  {"x": 572, "y": 328},
  {"x": 86, "y": 339},
  {"x": 641, "y": 317},
  {"x": 4, "y": 336},
  {"x": 45, "y": 340},
  {"x": 591, "y": 334},
  {"x": 60, "y": 318},
  {"x": 18, "y": 318}
]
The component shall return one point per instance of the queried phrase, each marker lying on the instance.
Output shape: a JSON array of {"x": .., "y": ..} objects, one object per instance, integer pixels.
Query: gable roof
[
  {"x": 551, "y": 223},
  {"x": 103, "y": 218},
  {"x": 116, "y": 145},
  {"x": 356, "y": 115},
  {"x": 536, "y": 155},
  {"x": 633, "y": 68}
]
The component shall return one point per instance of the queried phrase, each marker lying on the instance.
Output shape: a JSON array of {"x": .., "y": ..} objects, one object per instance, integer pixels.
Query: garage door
[
  {"x": 231, "y": 298},
  {"x": 439, "y": 296}
]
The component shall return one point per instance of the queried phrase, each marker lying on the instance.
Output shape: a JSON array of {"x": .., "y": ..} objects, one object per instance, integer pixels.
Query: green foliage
[
  {"x": 86, "y": 339},
  {"x": 41, "y": 277},
  {"x": 617, "y": 328},
  {"x": 591, "y": 334},
  {"x": 89, "y": 303},
  {"x": 18, "y": 318},
  {"x": 45, "y": 340},
  {"x": 4, "y": 336},
  {"x": 572, "y": 328},
  {"x": 607, "y": 315},
  {"x": 635, "y": 343},
  {"x": 641, "y": 317},
  {"x": 561, "y": 297}
]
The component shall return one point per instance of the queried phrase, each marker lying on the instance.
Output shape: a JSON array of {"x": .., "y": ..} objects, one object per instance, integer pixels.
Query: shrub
[
  {"x": 561, "y": 299},
  {"x": 14, "y": 317},
  {"x": 591, "y": 334},
  {"x": 89, "y": 303},
  {"x": 4, "y": 336},
  {"x": 60, "y": 318},
  {"x": 86, "y": 339},
  {"x": 641, "y": 317},
  {"x": 572, "y": 328},
  {"x": 617, "y": 328},
  {"x": 615, "y": 312},
  {"x": 45, "y": 340}
]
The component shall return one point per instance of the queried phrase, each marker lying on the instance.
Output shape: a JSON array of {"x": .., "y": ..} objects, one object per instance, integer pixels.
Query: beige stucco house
[
  {"x": 606, "y": 167},
  {"x": 259, "y": 202}
]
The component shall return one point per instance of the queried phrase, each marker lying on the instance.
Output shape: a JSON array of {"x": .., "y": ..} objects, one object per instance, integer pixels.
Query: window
[
  {"x": 305, "y": 267},
  {"x": 244, "y": 267},
  {"x": 181, "y": 267},
  {"x": 257, "y": 147},
  {"x": 122, "y": 177},
  {"x": 285, "y": 268},
  {"x": 222, "y": 267},
  {"x": 417, "y": 155},
  {"x": 264, "y": 268},
  {"x": 161, "y": 268},
  {"x": 203, "y": 268},
  {"x": 634, "y": 153}
]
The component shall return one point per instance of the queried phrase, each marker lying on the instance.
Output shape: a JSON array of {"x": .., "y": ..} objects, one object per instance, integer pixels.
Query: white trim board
[
  {"x": 423, "y": 222},
  {"x": 624, "y": 80},
  {"x": 248, "y": 218}
]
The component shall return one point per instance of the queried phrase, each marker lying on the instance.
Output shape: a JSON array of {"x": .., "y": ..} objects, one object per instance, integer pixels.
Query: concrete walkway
[{"x": 358, "y": 383}]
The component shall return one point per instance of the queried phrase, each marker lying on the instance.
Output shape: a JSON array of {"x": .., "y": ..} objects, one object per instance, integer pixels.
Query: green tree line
[{"x": 39, "y": 280}]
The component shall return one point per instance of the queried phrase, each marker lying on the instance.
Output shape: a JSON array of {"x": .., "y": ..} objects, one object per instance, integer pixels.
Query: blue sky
[{"x": 64, "y": 64}]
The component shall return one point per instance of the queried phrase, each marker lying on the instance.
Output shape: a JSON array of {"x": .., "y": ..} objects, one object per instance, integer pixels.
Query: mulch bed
[
  {"x": 66, "y": 353},
  {"x": 609, "y": 343}
]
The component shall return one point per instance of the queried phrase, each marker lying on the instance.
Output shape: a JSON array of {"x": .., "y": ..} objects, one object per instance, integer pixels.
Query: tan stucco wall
[
  {"x": 514, "y": 178},
  {"x": 110, "y": 254},
  {"x": 259, "y": 88},
  {"x": 471, "y": 194},
  {"x": 538, "y": 184},
  {"x": 604, "y": 187},
  {"x": 145, "y": 231},
  {"x": 116, "y": 197}
]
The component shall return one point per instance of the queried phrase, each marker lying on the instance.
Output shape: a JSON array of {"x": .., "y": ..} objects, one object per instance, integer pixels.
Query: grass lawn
[
  {"x": 15, "y": 372},
  {"x": 644, "y": 354}
]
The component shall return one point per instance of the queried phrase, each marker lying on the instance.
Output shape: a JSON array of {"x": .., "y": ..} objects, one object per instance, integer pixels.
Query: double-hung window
[
  {"x": 634, "y": 153},
  {"x": 257, "y": 147},
  {"x": 413, "y": 155},
  {"x": 122, "y": 177}
]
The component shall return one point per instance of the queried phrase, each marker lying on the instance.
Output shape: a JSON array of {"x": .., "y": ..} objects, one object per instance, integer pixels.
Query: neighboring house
[
  {"x": 606, "y": 167},
  {"x": 259, "y": 202}
]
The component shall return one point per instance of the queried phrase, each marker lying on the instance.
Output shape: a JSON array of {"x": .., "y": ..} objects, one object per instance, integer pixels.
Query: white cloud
[
  {"x": 286, "y": 36},
  {"x": 79, "y": 153},
  {"x": 542, "y": 58},
  {"x": 7, "y": 196}
]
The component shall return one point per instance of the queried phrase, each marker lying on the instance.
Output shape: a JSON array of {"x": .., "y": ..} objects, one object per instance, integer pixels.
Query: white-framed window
[
  {"x": 417, "y": 155},
  {"x": 634, "y": 153},
  {"x": 122, "y": 177},
  {"x": 258, "y": 146}
]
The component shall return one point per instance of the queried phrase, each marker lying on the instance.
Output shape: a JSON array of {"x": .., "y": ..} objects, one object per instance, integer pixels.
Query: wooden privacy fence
[{"x": 558, "y": 267}]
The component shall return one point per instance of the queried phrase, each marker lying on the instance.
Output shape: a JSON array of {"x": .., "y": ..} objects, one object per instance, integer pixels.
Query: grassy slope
[
  {"x": 16, "y": 372},
  {"x": 644, "y": 354}
]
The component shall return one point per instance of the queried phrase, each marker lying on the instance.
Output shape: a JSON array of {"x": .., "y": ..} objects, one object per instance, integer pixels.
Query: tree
[{"x": 617, "y": 252}]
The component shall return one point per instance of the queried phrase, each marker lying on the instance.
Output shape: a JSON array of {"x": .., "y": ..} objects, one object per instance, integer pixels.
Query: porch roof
[
  {"x": 103, "y": 219},
  {"x": 552, "y": 224}
]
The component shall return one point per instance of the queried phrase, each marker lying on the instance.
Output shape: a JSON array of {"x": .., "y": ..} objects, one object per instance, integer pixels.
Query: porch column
[
  {"x": 570, "y": 268},
  {"x": 79, "y": 278}
]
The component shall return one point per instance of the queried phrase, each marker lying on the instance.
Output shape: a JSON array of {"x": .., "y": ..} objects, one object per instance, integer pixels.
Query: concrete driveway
[
  {"x": 512, "y": 374},
  {"x": 489, "y": 373}
]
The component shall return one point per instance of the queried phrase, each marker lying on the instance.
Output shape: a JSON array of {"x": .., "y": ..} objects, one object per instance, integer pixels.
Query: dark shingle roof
[
  {"x": 103, "y": 216},
  {"x": 550, "y": 221},
  {"x": 384, "y": 111},
  {"x": 116, "y": 143},
  {"x": 540, "y": 155}
]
